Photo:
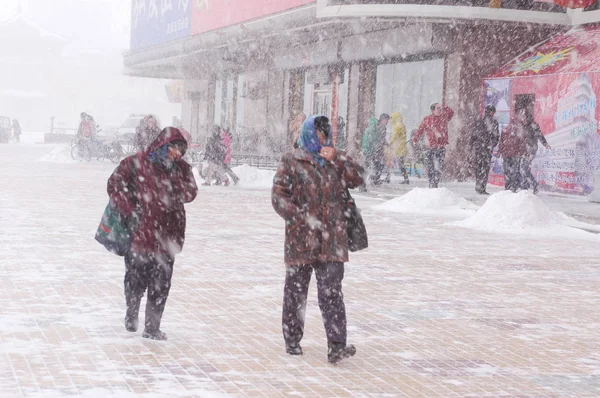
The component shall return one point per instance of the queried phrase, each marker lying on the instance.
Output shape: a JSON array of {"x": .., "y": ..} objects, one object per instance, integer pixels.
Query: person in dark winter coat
[
  {"x": 226, "y": 136},
  {"x": 512, "y": 148},
  {"x": 16, "y": 130},
  {"x": 215, "y": 156},
  {"x": 533, "y": 135},
  {"x": 483, "y": 141},
  {"x": 146, "y": 133},
  {"x": 307, "y": 193},
  {"x": 150, "y": 188}
]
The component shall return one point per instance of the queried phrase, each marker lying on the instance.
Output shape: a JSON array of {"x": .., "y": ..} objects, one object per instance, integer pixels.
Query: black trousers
[
  {"x": 528, "y": 180},
  {"x": 483, "y": 162},
  {"x": 331, "y": 301},
  {"x": 435, "y": 165},
  {"x": 151, "y": 272},
  {"x": 378, "y": 166},
  {"x": 512, "y": 173}
]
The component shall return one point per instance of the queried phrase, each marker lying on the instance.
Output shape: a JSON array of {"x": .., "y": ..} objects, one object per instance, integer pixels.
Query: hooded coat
[
  {"x": 309, "y": 197},
  {"x": 369, "y": 140},
  {"x": 398, "y": 139},
  {"x": 144, "y": 187}
]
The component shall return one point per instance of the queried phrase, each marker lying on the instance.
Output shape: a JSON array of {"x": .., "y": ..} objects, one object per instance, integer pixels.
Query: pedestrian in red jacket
[
  {"x": 513, "y": 147},
  {"x": 150, "y": 188},
  {"x": 435, "y": 129}
]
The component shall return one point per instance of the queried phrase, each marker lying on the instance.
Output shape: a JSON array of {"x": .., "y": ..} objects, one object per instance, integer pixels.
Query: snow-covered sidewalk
[
  {"x": 434, "y": 309},
  {"x": 579, "y": 208}
]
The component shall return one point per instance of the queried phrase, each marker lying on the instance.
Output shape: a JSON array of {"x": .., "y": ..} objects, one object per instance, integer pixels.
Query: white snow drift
[
  {"x": 251, "y": 177},
  {"x": 439, "y": 201},
  {"x": 506, "y": 211}
]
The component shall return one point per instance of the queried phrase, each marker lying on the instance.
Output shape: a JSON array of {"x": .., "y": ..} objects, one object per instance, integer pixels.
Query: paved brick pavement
[{"x": 434, "y": 310}]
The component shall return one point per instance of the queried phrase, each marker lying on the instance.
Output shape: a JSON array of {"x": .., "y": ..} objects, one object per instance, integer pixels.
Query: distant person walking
[
  {"x": 146, "y": 133},
  {"x": 398, "y": 144},
  {"x": 533, "y": 135},
  {"x": 16, "y": 130},
  {"x": 215, "y": 156},
  {"x": 150, "y": 188},
  {"x": 374, "y": 144},
  {"x": 483, "y": 141},
  {"x": 512, "y": 147},
  {"x": 226, "y": 135},
  {"x": 307, "y": 194},
  {"x": 435, "y": 129}
]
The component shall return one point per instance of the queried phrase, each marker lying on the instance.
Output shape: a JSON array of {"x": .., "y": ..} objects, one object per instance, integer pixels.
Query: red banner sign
[{"x": 209, "y": 15}]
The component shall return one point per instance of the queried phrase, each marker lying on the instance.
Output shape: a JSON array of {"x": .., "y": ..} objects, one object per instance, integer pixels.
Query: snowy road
[{"x": 434, "y": 310}]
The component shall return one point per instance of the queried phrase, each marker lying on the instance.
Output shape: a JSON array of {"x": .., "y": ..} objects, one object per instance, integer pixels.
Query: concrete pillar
[
  {"x": 452, "y": 98},
  {"x": 276, "y": 123},
  {"x": 353, "y": 136}
]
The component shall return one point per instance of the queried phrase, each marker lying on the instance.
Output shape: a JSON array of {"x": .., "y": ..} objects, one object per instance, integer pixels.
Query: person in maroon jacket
[
  {"x": 308, "y": 193},
  {"x": 150, "y": 189},
  {"x": 512, "y": 148},
  {"x": 435, "y": 128}
]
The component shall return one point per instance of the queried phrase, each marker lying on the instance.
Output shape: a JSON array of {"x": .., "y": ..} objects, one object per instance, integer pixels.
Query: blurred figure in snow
[
  {"x": 87, "y": 127},
  {"x": 150, "y": 188},
  {"x": 533, "y": 135},
  {"x": 512, "y": 147},
  {"x": 483, "y": 141},
  {"x": 227, "y": 161},
  {"x": 435, "y": 129},
  {"x": 146, "y": 133},
  {"x": 374, "y": 144},
  {"x": 398, "y": 143},
  {"x": 16, "y": 130},
  {"x": 86, "y": 132},
  {"x": 215, "y": 156},
  {"x": 307, "y": 194}
]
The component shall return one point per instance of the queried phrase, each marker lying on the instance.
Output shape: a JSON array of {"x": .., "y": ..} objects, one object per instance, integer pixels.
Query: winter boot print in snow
[
  {"x": 339, "y": 351},
  {"x": 293, "y": 349}
]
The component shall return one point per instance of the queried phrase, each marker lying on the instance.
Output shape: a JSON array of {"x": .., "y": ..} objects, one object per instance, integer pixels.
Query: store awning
[{"x": 575, "y": 51}]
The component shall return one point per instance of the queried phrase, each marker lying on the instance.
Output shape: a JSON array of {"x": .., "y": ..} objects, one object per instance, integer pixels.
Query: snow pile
[
  {"x": 60, "y": 154},
  {"x": 252, "y": 177},
  {"x": 522, "y": 212},
  {"x": 508, "y": 210},
  {"x": 439, "y": 201}
]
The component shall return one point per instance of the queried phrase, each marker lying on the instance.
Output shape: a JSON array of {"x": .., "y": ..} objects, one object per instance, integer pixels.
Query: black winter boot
[
  {"x": 131, "y": 324},
  {"x": 293, "y": 349},
  {"x": 154, "y": 335},
  {"x": 339, "y": 351}
]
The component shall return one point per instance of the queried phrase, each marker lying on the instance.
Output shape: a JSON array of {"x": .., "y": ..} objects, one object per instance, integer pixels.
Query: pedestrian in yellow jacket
[{"x": 398, "y": 143}]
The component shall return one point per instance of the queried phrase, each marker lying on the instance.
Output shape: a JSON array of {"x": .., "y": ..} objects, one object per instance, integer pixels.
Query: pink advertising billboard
[
  {"x": 561, "y": 80},
  {"x": 209, "y": 15}
]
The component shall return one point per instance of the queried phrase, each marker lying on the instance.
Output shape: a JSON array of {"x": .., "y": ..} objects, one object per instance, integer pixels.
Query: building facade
[{"x": 254, "y": 66}]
